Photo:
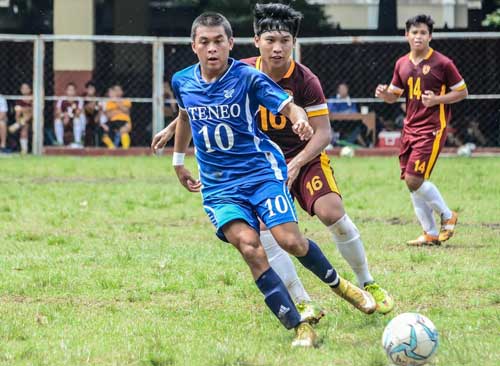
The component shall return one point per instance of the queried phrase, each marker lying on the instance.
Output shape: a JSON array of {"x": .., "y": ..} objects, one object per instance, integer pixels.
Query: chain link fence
[
  {"x": 143, "y": 68},
  {"x": 364, "y": 62}
]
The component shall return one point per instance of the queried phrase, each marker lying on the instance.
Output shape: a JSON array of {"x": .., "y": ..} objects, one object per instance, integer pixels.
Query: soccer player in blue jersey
[{"x": 242, "y": 172}]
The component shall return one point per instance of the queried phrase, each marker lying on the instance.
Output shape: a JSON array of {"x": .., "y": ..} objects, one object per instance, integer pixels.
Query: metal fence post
[
  {"x": 38, "y": 95},
  {"x": 296, "y": 51},
  {"x": 158, "y": 72}
]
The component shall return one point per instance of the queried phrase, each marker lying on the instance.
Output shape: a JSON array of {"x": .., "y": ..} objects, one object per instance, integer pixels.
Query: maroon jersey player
[
  {"x": 311, "y": 179},
  {"x": 430, "y": 82}
]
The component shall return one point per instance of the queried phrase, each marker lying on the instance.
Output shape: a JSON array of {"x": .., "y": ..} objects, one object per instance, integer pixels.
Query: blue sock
[
  {"x": 316, "y": 262},
  {"x": 278, "y": 299}
]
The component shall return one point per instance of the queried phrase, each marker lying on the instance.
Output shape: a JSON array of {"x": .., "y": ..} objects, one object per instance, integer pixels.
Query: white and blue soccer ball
[
  {"x": 347, "y": 152},
  {"x": 410, "y": 339}
]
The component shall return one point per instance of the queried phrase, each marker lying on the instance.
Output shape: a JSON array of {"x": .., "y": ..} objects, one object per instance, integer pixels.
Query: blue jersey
[{"x": 230, "y": 149}]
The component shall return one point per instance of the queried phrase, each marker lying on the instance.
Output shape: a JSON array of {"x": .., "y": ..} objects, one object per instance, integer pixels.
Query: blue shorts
[{"x": 270, "y": 201}]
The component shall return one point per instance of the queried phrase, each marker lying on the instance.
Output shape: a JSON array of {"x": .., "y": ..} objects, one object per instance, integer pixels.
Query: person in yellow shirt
[{"x": 117, "y": 128}]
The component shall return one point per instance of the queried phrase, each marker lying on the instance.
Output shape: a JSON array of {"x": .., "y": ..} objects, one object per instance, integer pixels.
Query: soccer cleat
[
  {"x": 448, "y": 227},
  {"x": 385, "y": 303},
  {"x": 305, "y": 336},
  {"x": 424, "y": 240},
  {"x": 360, "y": 299},
  {"x": 310, "y": 312}
]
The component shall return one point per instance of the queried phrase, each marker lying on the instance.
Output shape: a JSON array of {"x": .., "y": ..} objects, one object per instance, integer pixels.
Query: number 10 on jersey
[{"x": 217, "y": 136}]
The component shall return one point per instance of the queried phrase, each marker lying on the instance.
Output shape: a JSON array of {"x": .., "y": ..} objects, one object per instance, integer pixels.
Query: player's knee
[
  {"x": 413, "y": 183},
  {"x": 294, "y": 244},
  {"x": 329, "y": 209},
  {"x": 248, "y": 246}
]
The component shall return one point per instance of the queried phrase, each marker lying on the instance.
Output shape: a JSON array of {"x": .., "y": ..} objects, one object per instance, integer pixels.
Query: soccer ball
[
  {"x": 410, "y": 339},
  {"x": 464, "y": 151},
  {"x": 347, "y": 152}
]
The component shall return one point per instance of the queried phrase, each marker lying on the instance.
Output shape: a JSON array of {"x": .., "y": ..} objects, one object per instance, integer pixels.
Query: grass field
[{"x": 109, "y": 261}]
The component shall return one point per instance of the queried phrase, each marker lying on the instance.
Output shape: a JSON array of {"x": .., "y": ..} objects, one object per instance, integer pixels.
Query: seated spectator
[
  {"x": 342, "y": 102},
  {"x": 92, "y": 114},
  {"x": 352, "y": 132},
  {"x": 3, "y": 125},
  {"x": 24, "y": 117},
  {"x": 69, "y": 125},
  {"x": 119, "y": 124},
  {"x": 170, "y": 106},
  {"x": 467, "y": 132},
  {"x": 399, "y": 121}
]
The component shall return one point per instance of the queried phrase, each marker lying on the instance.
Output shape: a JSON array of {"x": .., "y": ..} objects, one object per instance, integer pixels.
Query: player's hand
[
  {"x": 161, "y": 139},
  {"x": 381, "y": 91},
  {"x": 293, "y": 168},
  {"x": 429, "y": 98},
  {"x": 186, "y": 179},
  {"x": 303, "y": 129}
]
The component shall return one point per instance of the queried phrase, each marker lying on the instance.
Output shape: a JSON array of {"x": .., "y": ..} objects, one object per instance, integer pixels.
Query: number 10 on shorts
[{"x": 279, "y": 204}]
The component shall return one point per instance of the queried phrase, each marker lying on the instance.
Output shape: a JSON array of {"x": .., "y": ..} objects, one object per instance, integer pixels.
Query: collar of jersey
[
  {"x": 258, "y": 66},
  {"x": 429, "y": 54},
  {"x": 197, "y": 73}
]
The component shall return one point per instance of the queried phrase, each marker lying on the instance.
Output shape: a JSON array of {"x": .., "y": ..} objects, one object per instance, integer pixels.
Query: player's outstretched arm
[
  {"x": 320, "y": 139},
  {"x": 164, "y": 136},
  {"x": 182, "y": 139},
  {"x": 300, "y": 122},
  {"x": 383, "y": 92}
]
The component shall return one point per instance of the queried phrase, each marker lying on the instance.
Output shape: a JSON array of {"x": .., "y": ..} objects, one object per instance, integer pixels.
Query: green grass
[{"x": 111, "y": 262}]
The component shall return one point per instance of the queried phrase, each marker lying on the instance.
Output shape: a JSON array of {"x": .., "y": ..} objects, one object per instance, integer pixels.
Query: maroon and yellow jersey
[
  {"x": 435, "y": 72},
  {"x": 69, "y": 106},
  {"x": 305, "y": 88}
]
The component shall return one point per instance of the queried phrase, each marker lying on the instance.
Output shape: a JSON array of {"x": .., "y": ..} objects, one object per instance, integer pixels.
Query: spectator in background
[
  {"x": 24, "y": 116},
  {"x": 92, "y": 111},
  {"x": 400, "y": 118},
  {"x": 3, "y": 125},
  {"x": 170, "y": 106},
  {"x": 69, "y": 124},
  {"x": 119, "y": 124},
  {"x": 467, "y": 131},
  {"x": 353, "y": 131},
  {"x": 343, "y": 103}
]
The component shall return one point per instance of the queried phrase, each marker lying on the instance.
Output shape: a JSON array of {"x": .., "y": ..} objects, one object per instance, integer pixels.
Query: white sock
[
  {"x": 424, "y": 214},
  {"x": 282, "y": 264},
  {"x": 59, "y": 130},
  {"x": 430, "y": 194},
  {"x": 78, "y": 128},
  {"x": 346, "y": 237},
  {"x": 24, "y": 145}
]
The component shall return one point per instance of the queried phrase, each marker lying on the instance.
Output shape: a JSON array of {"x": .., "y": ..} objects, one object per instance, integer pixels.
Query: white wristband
[{"x": 178, "y": 159}]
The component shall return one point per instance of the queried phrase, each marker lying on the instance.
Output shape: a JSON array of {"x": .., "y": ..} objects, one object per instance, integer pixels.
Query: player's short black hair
[
  {"x": 210, "y": 19},
  {"x": 276, "y": 17},
  {"x": 420, "y": 19},
  {"x": 71, "y": 83}
]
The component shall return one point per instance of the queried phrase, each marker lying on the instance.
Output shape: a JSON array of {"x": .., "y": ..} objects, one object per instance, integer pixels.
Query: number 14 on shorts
[{"x": 420, "y": 166}]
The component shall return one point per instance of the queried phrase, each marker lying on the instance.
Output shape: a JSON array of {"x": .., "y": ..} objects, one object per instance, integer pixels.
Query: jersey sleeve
[
  {"x": 176, "y": 90},
  {"x": 454, "y": 80},
  {"x": 397, "y": 86},
  {"x": 268, "y": 93},
  {"x": 314, "y": 98}
]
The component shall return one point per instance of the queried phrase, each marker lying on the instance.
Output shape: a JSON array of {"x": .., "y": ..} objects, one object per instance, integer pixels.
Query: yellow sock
[
  {"x": 107, "y": 141},
  {"x": 125, "y": 139}
]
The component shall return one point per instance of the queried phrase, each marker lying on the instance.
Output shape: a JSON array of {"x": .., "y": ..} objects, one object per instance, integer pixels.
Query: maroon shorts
[
  {"x": 314, "y": 181},
  {"x": 418, "y": 153}
]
